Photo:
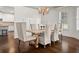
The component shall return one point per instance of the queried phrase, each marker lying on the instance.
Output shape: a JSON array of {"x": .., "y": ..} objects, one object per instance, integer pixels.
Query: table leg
[{"x": 37, "y": 41}]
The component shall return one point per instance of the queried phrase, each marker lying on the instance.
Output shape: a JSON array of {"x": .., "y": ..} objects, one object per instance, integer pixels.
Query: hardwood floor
[{"x": 69, "y": 45}]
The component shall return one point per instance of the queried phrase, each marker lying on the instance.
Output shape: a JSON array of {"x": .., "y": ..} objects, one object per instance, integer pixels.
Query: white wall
[
  {"x": 71, "y": 13},
  {"x": 50, "y": 18},
  {"x": 53, "y": 16},
  {"x": 21, "y": 13},
  {"x": 77, "y": 18},
  {"x": 7, "y": 18},
  {"x": 27, "y": 15}
]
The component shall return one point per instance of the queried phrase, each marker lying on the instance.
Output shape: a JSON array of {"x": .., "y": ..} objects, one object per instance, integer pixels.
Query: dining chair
[
  {"x": 60, "y": 33},
  {"x": 45, "y": 37},
  {"x": 55, "y": 34},
  {"x": 35, "y": 26},
  {"x": 42, "y": 26},
  {"x": 22, "y": 34}
]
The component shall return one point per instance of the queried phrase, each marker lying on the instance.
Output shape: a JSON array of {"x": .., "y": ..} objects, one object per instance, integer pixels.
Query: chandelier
[{"x": 43, "y": 10}]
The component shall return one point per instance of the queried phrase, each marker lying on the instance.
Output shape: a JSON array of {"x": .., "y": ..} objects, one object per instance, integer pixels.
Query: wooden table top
[{"x": 36, "y": 31}]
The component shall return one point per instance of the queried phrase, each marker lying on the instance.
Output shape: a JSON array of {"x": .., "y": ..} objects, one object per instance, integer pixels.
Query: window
[
  {"x": 77, "y": 21},
  {"x": 1, "y": 17},
  {"x": 8, "y": 17},
  {"x": 63, "y": 23},
  {"x": 64, "y": 20}
]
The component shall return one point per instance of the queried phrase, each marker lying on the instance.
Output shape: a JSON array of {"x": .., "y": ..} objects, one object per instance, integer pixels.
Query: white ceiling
[
  {"x": 10, "y": 9},
  {"x": 36, "y": 7},
  {"x": 7, "y": 9}
]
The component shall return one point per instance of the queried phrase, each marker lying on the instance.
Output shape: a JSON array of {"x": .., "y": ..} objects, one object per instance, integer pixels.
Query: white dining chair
[
  {"x": 35, "y": 26},
  {"x": 42, "y": 26},
  {"x": 22, "y": 34},
  {"x": 45, "y": 37},
  {"x": 60, "y": 33},
  {"x": 55, "y": 34}
]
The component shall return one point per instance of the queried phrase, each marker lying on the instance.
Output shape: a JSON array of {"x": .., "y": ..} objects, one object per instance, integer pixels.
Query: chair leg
[
  {"x": 54, "y": 42},
  {"x": 50, "y": 44},
  {"x": 60, "y": 38},
  {"x": 29, "y": 43},
  {"x": 19, "y": 46},
  {"x": 44, "y": 46}
]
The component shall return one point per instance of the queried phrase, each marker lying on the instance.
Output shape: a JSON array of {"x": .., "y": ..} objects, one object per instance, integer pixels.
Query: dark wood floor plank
[{"x": 69, "y": 45}]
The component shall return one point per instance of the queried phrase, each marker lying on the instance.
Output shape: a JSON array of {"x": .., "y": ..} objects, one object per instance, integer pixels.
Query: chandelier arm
[{"x": 43, "y": 10}]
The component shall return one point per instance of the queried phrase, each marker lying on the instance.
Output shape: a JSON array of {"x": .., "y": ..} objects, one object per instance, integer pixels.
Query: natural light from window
[
  {"x": 63, "y": 20},
  {"x": 6, "y": 17},
  {"x": 77, "y": 21}
]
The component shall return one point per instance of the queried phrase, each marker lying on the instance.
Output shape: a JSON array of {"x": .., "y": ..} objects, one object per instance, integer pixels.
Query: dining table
[{"x": 37, "y": 35}]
